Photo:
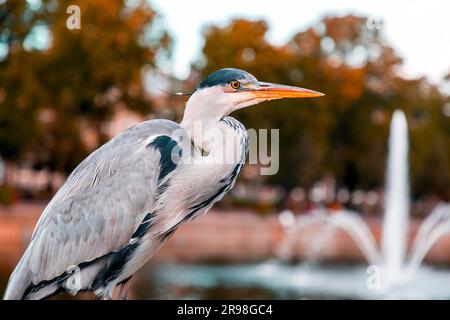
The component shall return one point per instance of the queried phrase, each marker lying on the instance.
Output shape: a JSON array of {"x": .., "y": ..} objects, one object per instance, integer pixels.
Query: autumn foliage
[{"x": 50, "y": 96}]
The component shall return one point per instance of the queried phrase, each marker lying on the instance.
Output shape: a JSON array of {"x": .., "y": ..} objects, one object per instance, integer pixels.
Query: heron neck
[{"x": 224, "y": 140}]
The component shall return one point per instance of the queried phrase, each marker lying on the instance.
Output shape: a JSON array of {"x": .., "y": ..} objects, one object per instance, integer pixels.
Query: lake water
[{"x": 275, "y": 280}]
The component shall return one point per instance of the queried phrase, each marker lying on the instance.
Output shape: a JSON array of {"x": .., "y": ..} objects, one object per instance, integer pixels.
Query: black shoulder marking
[{"x": 166, "y": 147}]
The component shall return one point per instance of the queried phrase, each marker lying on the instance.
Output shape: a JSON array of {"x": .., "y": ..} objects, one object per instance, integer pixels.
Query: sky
[{"x": 419, "y": 30}]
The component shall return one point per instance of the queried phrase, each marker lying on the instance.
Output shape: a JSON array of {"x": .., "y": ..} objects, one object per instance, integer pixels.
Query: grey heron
[{"x": 121, "y": 203}]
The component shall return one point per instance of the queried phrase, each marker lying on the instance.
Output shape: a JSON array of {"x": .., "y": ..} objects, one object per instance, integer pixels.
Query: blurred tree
[
  {"x": 58, "y": 86},
  {"x": 344, "y": 132}
]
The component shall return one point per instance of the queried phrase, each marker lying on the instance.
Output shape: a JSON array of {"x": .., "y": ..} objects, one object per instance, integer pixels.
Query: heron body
[{"x": 128, "y": 197}]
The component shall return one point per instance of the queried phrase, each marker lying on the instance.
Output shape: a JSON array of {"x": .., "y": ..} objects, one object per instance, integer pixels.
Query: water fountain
[{"x": 396, "y": 266}]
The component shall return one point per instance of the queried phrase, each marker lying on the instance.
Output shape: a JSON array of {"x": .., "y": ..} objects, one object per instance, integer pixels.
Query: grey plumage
[
  {"x": 101, "y": 205},
  {"x": 128, "y": 197}
]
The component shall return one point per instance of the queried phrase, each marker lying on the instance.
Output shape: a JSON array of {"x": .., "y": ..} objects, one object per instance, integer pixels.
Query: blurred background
[{"x": 65, "y": 92}]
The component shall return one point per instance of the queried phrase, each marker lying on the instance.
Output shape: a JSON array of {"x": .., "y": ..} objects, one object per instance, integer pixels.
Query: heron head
[{"x": 228, "y": 90}]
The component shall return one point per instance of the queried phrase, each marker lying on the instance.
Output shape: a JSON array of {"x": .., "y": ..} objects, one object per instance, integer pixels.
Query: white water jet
[
  {"x": 436, "y": 225},
  {"x": 396, "y": 216},
  {"x": 358, "y": 229}
]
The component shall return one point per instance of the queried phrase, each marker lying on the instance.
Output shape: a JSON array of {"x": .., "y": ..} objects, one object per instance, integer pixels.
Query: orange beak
[{"x": 268, "y": 90}]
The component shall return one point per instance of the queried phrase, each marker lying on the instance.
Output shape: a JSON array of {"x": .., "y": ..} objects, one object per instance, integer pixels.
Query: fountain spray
[{"x": 396, "y": 216}]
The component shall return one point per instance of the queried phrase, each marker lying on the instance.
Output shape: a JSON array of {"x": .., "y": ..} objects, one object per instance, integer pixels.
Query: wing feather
[{"x": 101, "y": 204}]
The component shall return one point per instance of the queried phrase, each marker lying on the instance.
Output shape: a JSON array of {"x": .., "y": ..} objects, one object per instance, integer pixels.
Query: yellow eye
[{"x": 235, "y": 84}]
